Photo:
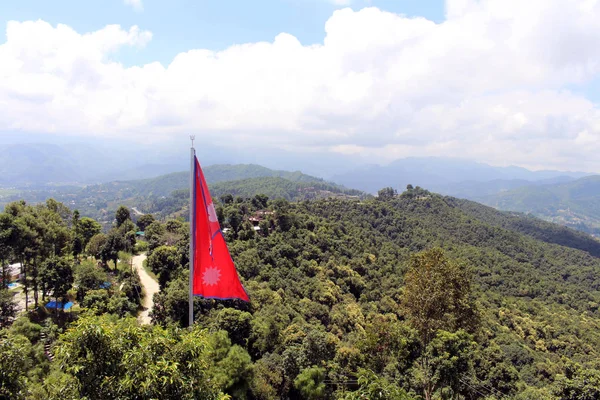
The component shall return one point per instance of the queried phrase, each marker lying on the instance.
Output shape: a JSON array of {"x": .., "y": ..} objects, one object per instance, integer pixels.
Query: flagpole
[{"x": 192, "y": 228}]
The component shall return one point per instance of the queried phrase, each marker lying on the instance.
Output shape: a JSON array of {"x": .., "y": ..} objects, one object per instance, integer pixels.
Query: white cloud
[
  {"x": 488, "y": 83},
  {"x": 136, "y": 4}
]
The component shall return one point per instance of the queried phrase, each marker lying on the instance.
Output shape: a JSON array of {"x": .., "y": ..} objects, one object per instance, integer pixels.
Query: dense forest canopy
[{"x": 397, "y": 297}]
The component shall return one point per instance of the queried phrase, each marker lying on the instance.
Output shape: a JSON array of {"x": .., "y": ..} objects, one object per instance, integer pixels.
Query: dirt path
[
  {"x": 136, "y": 211},
  {"x": 150, "y": 287}
]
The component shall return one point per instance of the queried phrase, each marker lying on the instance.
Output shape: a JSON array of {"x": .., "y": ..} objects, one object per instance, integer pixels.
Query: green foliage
[
  {"x": 15, "y": 362},
  {"x": 387, "y": 193},
  {"x": 8, "y": 307},
  {"x": 171, "y": 303},
  {"x": 96, "y": 245},
  {"x": 338, "y": 289},
  {"x": 578, "y": 384},
  {"x": 57, "y": 275},
  {"x": 437, "y": 295},
  {"x": 164, "y": 261},
  {"x": 310, "y": 383},
  {"x": 374, "y": 387},
  {"x": 230, "y": 366},
  {"x": 121, "y": 215},
  {"x": 111, "y": 358},
  {"x": 145, "y": 220},
  {"x": 23, "y": 326},
  {"x": 87, "y": 228},
  {"x": 88, "y": 276},
  {"x": 444, "y": 364},
  {"x": 278, "y": 187}
]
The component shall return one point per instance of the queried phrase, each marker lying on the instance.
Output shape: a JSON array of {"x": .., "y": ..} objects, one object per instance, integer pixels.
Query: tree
[
  {"x": 374, "y": 387},
  {"x": 237, "y": 324},
  {"x": 95, "y": 246},
  {"x": 387, "y": 193},
  {"x": 116, "y": 358},
  {"x": 577, "y": 384},
  {"x": 145, "y": 220},
  {"x": 87, "y": 228},
  {"x": 88, "y": 277},
  {"x": 164, "y": 261},
  {"x": 437, "y": 295},
  {"x": 310, "y": 383},
  {"x": 171, "y": 303},
  {"x": 6, "y": 246},
  {"x": 122, "y": 214},
  {"x": 227, "y": 199},
  {"x": 235, "y": 219},
  {"x": 443, "y": 364},
  {"x": 231, "y": 366},
  {"x": 57, "y": 275},
  {"x": 115, "y": 242},
  {"x": 260, "y": 201},
  {"x": 154, "y": 235},
  {"x": 15, "y": 362},
  {"x": 8, "y": 307}
]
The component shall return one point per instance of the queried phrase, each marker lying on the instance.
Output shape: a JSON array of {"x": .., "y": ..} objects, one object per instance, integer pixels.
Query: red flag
[{"x": 214, "y": 275}]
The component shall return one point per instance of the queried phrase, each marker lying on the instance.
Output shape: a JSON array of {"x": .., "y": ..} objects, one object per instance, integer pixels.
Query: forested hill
[
  {"x": 165, "y": 184},
  {"x": 396, "y": 297},
  {"x": 168, "y": 193},
  {"x": 328, "y": 277},
  {"x": 233, "y": 172},
  {"x": 575, "y": 203},
  {"x": 529, "y": 225}
]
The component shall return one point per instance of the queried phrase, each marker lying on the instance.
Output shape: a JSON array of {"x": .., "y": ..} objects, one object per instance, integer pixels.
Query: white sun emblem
[
  {"x": 211, "y": 276},
  {"x": 212, "y": 214}
]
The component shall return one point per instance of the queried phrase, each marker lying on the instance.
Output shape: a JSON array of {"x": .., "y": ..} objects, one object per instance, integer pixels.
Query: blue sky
[{"x": 181, "y": 25}]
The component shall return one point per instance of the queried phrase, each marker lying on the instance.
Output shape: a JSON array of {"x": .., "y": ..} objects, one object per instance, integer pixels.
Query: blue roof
[
  {"x": 105, "y": 285},
  {"x": 59, "y": 305}
]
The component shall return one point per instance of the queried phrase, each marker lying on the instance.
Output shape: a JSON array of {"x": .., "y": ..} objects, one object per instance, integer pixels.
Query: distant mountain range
[
  {"x": 37, "y": 165},
  {"x": 74, "y": 172},
  {"x": 165, "y": 184},
  {"x": 442, "y": 175},
  {"x": 156, "y": 194}
]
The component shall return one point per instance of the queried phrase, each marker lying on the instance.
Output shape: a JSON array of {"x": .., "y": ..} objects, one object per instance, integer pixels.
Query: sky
[{"x": 504, "y": 82}]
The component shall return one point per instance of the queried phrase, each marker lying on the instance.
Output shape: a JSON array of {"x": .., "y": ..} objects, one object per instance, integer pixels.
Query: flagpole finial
[{"x": 192, "y": 138}]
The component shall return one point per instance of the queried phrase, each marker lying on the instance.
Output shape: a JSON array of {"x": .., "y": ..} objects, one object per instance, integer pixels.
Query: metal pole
[{"x": 192, "y": 228}]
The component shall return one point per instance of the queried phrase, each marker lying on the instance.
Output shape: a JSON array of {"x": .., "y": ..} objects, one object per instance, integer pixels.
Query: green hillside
[
  {"x": 407, "y": 297},
  {"x": 333, "y": 271},
  {"x": 272, "y": 187},
  {"x": 575, "y": 204},
  {"x": 164, "y": 192},
  {"x": 234, "y": 172}
]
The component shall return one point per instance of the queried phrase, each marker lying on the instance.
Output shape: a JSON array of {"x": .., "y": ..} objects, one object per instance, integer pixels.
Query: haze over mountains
[
  {"x": 98, "y": 161},
  {"x": 442, "y": 174},
  {"x": 130, "y": 172}
]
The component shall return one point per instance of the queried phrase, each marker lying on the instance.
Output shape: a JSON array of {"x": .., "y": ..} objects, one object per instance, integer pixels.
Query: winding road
[{"x": 150, "y": 287}]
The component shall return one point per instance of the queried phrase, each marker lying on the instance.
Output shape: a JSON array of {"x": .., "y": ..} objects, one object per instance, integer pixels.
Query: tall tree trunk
[
  {"x": 5, "y": 275},
  {"x": 35, "y": 283},
  {"x": 25, "y": 286}
]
